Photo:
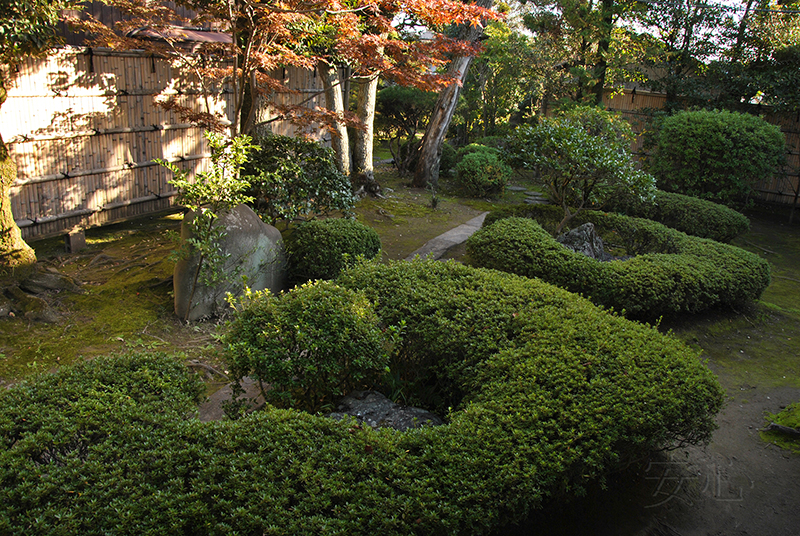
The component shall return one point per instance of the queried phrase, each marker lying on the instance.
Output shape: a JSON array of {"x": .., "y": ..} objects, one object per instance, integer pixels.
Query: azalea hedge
[
  {"x": 693, "y": 216},
  {"x": 670, "y": 272},
  {"x": 547, "y": 392}
]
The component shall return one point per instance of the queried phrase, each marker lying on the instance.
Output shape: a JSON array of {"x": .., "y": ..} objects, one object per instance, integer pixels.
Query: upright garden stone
[
  {"x": 585, "y": 240},
  {"x": 255, "y": 257}
]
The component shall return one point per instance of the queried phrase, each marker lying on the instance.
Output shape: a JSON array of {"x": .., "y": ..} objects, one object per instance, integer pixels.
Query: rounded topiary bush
[
  {"x": 670, "y": 273},
  {"x": 690, "y": 215},
  {"x": 311, "y": 345},
  {"x": 548, "y": 392},
  {"x": 482, "y": 173},
  {"x": 715, "y": 155},
  {"x": 320, "y": 249}
]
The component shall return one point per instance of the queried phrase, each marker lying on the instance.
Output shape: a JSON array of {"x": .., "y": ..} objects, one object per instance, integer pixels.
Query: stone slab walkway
[{"x": 437, "y": 247}]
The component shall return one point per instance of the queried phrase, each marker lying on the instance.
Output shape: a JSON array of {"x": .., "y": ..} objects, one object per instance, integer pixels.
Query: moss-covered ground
[{"x": 126, "y": 302}]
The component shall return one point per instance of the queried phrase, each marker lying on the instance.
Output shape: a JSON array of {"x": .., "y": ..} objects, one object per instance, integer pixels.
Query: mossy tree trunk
[{"x": 15, "y": 253}]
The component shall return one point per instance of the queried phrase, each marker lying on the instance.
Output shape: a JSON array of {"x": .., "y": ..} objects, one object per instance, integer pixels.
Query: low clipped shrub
[
  {"x": 319, "y": 249},
  {"x": 549, "y": 393},
  {"x": 482, "y": 173},
  {"x": 693, "y": 216},
  {"x": 670, "y": 273},
  {"x": 311, "y": 345},
  {"x": 715, "y": 155},
  {"x": 295, "y": 178},
  {"x": 476, "y": 148}
]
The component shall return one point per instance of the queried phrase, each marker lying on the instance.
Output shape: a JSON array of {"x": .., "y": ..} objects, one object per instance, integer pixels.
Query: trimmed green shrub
[
  {"x": 558, "y": 392},
  {"x": 319, "y": 249},
  {"x": 715, "y": 155},
  {"x": 671, "y": 272},
  {"x": 311, "y": 345},
  {"x": 476, "y": 148},
  {"x": 690, "y": 215},
  {"x": 296, "y": 178},
  {"x": 482, "y": 173}
]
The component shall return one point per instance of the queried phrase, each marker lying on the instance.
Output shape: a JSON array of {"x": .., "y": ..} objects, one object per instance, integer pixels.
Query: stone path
[{"x": 437, "y": 247}]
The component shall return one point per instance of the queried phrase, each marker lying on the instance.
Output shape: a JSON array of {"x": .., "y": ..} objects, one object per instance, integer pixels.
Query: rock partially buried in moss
[
  {"x": 377, "y": 411},
  {"x": 31, "y": 307},
  {"x": 49, "y": 279}
]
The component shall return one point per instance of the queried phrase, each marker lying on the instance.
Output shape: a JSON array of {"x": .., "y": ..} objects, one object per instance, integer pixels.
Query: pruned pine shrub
[
  {"x": 670, "y": 273},
  {"x": 693, "y": 216},
  {"x": 295, "y": 178},
  {"x": 307, "y": 347},
  {"x": 715, "y": 155},
  {"x": 482, "y": 173},
  {"x": 549, "y": 393},
  {"x": 320, "y": 249}
]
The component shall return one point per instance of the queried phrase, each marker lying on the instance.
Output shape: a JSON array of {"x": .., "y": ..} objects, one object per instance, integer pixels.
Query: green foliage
[
  {"x": 560, "y": 393},
  {"x": 582, "y": 158},
  {"x": 295, "y": 178},
  {"x": 482, "y": 173},
  {"x": 715, "y": 155},
  {"x": 319, "y": 249},
  {"x": 672, "y": 272},
  {"x": 401, "y": 112},
  {"x": 28, "y": 27},
  {"x": 790, "y": 417},
  {"x": 209, "y": 195},
  {"x": 476, "y": 148},
  {"x": 311, "y": 345},
  {"x": 449, "y": 159},
  {"x": 690, "y": 215}
]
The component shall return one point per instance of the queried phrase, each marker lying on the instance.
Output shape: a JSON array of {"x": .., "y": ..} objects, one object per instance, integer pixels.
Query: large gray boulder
[
  {"x": 584, "y": 240},
  {"x": 377, "y": 411},
  {"x": 254, "y": 251}
]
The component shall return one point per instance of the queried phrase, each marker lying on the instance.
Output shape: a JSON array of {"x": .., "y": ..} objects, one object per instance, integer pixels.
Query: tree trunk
[
  {"x": 603, "y": 46},
  {"x": 332, "y": 83},
  {"x": 430, "y": 153},
  {"x": 15, "y": 254},
  {"x": 363, "y": 169}
]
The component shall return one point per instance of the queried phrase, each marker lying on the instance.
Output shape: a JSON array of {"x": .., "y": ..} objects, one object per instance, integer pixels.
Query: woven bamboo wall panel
[{"x": 83, "y": 128}]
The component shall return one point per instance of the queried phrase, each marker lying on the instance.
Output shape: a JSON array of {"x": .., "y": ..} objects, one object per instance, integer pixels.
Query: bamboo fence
[{"x": 84, "y": 130}]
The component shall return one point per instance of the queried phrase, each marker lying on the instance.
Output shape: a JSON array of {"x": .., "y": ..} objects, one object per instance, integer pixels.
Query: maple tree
[{"x": 317, "y": 34}]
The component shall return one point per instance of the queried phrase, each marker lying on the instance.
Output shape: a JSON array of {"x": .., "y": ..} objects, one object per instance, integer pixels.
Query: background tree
[
  {"x": 498, "y": 83},
  {"x": 26, "y": 28},
  {"x": 681, "y": 38},
  {"x": 321, "y": 34},
  {"x": 582, "y": 157},
  {"x": 430, "y": 152}
]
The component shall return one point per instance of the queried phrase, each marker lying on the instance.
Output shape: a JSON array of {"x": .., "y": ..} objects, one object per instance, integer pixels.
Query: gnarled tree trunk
[
  {"x": 430, "y": 153},
  {"x": 15, "y": 253}
]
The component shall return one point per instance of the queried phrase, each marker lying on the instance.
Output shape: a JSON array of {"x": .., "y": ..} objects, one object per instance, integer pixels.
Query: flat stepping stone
[
  {"x": 437, "y": 247},
  {"x": 516, "y": 188}
]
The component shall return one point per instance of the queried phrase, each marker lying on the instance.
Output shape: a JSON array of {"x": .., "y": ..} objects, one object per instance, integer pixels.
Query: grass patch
[{"x": 788, "y": 417}]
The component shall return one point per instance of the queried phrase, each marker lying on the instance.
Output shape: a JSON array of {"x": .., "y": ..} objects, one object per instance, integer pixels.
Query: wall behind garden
[
  {"x": 83, "y": 129},
  {"x": 782, "y": 188}
]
